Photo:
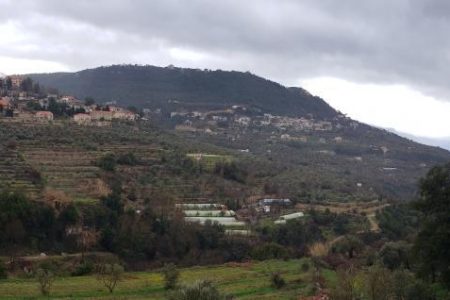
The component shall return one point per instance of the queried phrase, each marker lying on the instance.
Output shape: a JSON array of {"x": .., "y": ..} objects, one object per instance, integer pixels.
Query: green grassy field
[{"x": 244, "y": 281}]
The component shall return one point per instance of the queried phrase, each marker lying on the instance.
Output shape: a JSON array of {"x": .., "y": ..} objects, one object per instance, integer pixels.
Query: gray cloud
[{"x": 403, "y": 41}]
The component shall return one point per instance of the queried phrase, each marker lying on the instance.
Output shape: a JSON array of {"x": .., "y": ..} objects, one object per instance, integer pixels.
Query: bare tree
[
  {"x": 85, "y": 240},
  {"x": 110, "y": 275}
]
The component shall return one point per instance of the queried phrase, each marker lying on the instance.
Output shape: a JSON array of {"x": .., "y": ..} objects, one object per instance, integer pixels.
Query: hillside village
[{"x": 21, "y": 99}]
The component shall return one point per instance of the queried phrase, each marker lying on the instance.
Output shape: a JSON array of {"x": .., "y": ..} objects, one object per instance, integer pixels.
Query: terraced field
[
  {"x": 73, "y": 170},
  {"x": 244, "y": 281},
  {"x": 16, "y": 173},
  {"x": 64, "y": 168}
]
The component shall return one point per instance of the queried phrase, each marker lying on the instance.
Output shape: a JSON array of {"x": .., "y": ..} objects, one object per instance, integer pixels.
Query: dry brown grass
[
  {"x": 97, "y": 188},
  {"x": 55, "y": 198},
  {"x": 319, "y": 249}
]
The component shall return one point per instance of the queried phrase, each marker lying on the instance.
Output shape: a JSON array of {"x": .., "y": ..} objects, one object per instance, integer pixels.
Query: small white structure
[{"x": 283, "y": 219}]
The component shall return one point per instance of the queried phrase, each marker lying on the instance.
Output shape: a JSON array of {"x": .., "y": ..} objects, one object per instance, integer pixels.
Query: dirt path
[{"x": 374, "y": 227}]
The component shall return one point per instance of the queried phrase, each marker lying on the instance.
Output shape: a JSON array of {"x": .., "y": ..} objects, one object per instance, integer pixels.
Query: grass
[
  {"x": 209, "y": 160},
  {"x": 244, "y": 281},
  {"x": 85, "y": 201}
]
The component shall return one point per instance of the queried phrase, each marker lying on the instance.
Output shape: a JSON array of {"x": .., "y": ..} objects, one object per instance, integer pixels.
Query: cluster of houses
[
  {"x": 238, "y": 116},
  {"x": 93, "y": 115},
  {"x": 32, "y": 103}
]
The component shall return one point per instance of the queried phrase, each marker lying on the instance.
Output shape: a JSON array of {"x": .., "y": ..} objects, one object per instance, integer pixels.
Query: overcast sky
[{"x": 383, "y": 62}]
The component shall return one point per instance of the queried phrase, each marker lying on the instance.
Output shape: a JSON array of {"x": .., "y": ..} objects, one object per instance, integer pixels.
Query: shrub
[
  {"x": 127, "y": 159},
  {"x": 107, "y": 162},
  {"x": 84, "y": 268},
  {"x": 277, "y": 280},
  {"x": 269, "y": 251},
  {"x": 201, "y": 290},
  {"x": 171, "y": 275},
  {"x": 45, "y": 279},
  {"x": 304, "y": 267}
]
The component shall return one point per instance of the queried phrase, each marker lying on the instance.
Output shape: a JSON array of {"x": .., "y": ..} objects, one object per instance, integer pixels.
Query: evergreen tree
[{"x": 432, "y": 245}]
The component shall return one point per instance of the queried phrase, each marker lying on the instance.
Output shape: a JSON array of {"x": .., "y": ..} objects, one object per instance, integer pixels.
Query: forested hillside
[{"x": 149, "y": 86}]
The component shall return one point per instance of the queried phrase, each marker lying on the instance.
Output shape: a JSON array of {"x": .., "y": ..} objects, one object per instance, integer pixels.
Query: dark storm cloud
[{"x": 400, "y": 41}]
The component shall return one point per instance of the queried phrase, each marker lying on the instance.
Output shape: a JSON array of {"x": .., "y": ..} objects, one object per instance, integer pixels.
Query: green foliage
[
  {"x": 70, "y": 215},
  {"x": 171, "y": 274},
  {"x": 346, "y": 287},
  {"x": 127, "y": 159},
  {"x": 34, "y": 106},
  {"x": 304, "y": 267},
  {"x": 398, "y": 221},
  {"x": 349, "y": 245},
  {"x": 296, "y": 233},
  {"x": 231, "y": 171},
  {"x": 84, "y": 268},
  {"x": 22, "y": 222},
  {"x": 62, "y": 109},
  {"x": 107, "y": 162},
  {"x": 269, "y": 251},
  {"x": 378, "y": 283},
  {"x": 432, "y": 246},
  {"x": 200, "y": 290},
  {"x": 395, "y": 255}
]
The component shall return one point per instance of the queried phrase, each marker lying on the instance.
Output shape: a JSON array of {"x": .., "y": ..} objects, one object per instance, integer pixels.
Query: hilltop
[{"x": 153, "y": 87}]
